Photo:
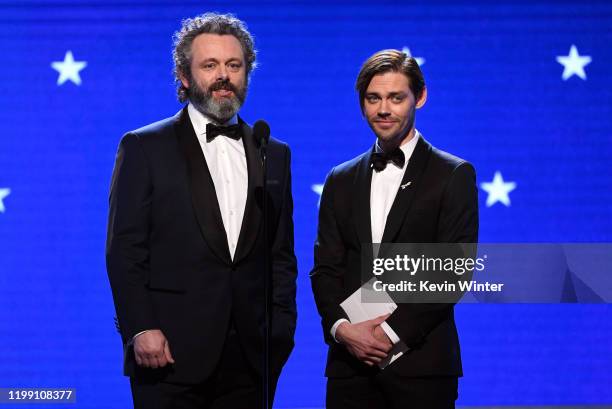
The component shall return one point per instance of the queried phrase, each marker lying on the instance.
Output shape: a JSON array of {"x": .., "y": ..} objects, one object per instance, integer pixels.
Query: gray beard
[{"x": 221, "y": 111}]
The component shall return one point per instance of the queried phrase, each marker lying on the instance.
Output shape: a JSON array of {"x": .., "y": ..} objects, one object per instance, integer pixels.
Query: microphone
[{"x": 261, "y": 133}]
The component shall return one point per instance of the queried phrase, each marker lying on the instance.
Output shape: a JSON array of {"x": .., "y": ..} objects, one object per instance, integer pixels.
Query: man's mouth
[
  {"x": 223, "y": 93},
  {"x": 384, "y": 124}
]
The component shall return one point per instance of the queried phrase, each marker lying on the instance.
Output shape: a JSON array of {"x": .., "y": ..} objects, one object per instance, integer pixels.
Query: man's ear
[
  {"x": 183, "y": 79},
  {"x": 423, "y": 98}
]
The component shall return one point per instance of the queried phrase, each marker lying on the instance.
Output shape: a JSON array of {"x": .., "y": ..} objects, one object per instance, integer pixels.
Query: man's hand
[
  {"x": 152, "y": 350},
  {"x": 381, "y": 335},
  {"x": 361, "y": 342}
]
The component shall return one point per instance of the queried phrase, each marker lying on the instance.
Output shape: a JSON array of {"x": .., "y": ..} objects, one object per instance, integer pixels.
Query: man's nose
[
  {"x": 222, "y": 72},
  {"x": 383, "y": 112},
  {"x": 383, "y": 109}
]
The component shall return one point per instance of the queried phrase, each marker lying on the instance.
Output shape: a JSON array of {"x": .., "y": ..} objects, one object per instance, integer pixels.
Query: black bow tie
[
  {"x": 231, "y": 131},
  {"x": 379, "y": 160}
]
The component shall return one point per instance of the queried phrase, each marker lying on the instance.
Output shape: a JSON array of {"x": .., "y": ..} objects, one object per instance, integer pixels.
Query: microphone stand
[{"x": 267, "y": 277}]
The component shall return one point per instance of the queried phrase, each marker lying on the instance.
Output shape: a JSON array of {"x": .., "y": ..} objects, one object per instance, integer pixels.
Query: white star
[
  {"x": 4, "y": 192},
  {"x": 573, "y": 63},
  {"x": 419, "y": 60},
  {"x": 69, "y": 69},
  {"x": 498, "y": 190},
  {"x": 318, "y": 189}
]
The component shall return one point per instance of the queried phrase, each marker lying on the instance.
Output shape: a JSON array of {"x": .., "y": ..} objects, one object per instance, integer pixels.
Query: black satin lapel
[
  {"x": 203, "y": 194},
  {"x": 361, "y": 200},
  {"x": 363, "y": 184},
  {"x": 405, "y": 194},
  {"x": 252, "y": 212}
]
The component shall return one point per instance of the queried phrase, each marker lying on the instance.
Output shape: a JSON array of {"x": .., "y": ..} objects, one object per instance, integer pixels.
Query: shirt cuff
[
  {"x": 335, "y": 327},
  {"x": 390, "y": 333},
  {"x": 140, "y": 333}
]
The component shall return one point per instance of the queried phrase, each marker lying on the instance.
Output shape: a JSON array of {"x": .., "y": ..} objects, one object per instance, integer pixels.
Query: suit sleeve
[
  {"x": 284, "y": 270},
  {"x": 458, "y": 223},
  {"x": 127, "y": 250},
  {"x": 327, "y": 275},
  {"x": 459, "y": 216}
]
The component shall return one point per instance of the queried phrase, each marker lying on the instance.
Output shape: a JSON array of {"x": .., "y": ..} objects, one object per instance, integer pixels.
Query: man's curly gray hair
[{"x": 211, "y": 23}]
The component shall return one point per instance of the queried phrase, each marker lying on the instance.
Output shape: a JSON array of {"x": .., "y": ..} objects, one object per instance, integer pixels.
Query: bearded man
[{"x": 185, "y": 245}]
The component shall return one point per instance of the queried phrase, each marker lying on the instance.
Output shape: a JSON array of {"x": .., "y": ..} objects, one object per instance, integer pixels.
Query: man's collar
[
  {"x": 407, "y": 148},
  {"x": 199, "y": 120}
]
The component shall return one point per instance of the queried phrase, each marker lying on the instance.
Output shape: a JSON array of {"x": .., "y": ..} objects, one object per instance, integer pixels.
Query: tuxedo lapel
[
  {"x": 363, "y": 182},
  {"x": 405, "y": 194},
  {"x": 252, "y": 212},
  {"x": 203, "y": 194}
]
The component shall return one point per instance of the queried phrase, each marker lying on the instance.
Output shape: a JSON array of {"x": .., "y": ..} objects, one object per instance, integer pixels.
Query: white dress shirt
[
  {"x": 226, "y": 161},
  {"x": 383, "y": 189}
]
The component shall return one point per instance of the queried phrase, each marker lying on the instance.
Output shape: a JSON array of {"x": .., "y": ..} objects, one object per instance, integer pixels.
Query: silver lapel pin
[{"x": 405, "y": 185}]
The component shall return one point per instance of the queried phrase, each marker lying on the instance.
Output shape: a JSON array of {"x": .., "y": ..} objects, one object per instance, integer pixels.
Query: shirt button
[{"x": 231, "y": 212}]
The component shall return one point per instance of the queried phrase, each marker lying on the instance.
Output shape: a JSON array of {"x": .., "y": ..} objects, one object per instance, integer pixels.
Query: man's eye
[
  {"x": 398, "y": 98},
  {"x": 209, "y": 66},
  {"x": 371, "y": 99}
]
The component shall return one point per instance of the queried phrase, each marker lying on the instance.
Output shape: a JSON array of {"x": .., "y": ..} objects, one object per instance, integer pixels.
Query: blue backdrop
[{"x": 521, "y": 89}]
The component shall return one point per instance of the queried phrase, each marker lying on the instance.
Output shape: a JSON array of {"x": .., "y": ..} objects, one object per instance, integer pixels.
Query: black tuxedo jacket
[
  {"x": 439, "y": 206},
  {"x": 168, "y": 259}
]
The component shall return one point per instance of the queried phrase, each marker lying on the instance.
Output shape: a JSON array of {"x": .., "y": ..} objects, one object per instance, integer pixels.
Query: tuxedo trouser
[
  {"x": 233, "y": 385},
  {"x": 387, "y": 390}
]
